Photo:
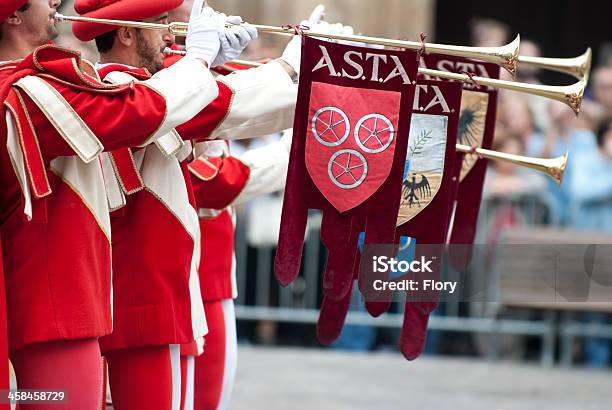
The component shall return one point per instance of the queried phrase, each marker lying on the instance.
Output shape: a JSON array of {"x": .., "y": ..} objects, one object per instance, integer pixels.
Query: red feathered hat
[
  {"x": 131, "y": 10},
  {"x": 8, "y": 7}
]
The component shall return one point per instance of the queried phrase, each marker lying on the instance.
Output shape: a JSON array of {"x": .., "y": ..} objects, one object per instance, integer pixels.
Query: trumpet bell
[
  {"x": 553, "y": 167},
  {"x": 557, "y": 168},
  {"x": 578, "y": 67}
]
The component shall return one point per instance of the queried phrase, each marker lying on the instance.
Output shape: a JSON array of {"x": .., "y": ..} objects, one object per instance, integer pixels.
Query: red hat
[
  {"x": 131, "y": 10},
  {"x": 8, "y": 7}
]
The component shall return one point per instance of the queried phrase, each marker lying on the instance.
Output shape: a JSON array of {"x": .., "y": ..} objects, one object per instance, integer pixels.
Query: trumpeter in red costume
[
  {"x": 59, "y": 118},
  {"x": 156, "y": 236}
]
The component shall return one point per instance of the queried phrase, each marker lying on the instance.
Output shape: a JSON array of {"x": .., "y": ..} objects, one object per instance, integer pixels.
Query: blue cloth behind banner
[{"x": 407, "y": 247}]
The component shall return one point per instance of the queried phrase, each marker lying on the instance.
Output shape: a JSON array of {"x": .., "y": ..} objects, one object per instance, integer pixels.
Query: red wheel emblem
[
  {"x": 330, "y": 126},
  {"x": 374, "y": 133},
  {"x": 347, "y": 169}
]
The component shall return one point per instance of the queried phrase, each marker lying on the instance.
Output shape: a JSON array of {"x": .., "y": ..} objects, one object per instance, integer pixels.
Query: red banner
[{"x": 348, "y": 154}]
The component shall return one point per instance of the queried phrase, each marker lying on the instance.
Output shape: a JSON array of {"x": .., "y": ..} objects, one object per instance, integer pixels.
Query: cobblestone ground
[{"x": 295, "y": 379}]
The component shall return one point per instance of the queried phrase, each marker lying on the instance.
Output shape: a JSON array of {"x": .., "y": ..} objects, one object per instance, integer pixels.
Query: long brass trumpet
[
  {"x": 578, "y": 67},
  {"x": 571, "y": 95},
  {"x": 553, "y": 167},
  {"x": 505, "y": 56}
]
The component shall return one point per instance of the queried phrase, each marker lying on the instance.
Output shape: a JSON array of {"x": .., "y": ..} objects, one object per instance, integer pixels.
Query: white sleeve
[
  {"x": 263, "y": 102},
  {"x": 268, "y": 166},
  {"x": 188, "y": 87}
]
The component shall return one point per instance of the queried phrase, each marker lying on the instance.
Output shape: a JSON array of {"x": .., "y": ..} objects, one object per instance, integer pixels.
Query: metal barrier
[{"x": 262, "y": 299}]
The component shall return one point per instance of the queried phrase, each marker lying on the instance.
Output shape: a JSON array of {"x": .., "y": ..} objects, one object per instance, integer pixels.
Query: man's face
[
  {"x": 39, "y": 20},
  {"x": 150, "y": 45}
]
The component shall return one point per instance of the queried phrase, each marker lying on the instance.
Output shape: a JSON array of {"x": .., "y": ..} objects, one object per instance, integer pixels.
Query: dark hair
[
  {"x": 23, "y": 8},
  {"x": 603, "y": 128},
  {"x": 106, "y": 41}
]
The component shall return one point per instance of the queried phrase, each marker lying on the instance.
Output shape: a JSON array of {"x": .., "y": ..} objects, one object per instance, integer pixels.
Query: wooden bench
[{"x": 560, "y": 272}]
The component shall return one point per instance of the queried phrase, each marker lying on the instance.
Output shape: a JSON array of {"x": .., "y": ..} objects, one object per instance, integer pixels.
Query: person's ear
[
  {"x": 14, "y": 19},
  {"x": 126, "y": 36}
]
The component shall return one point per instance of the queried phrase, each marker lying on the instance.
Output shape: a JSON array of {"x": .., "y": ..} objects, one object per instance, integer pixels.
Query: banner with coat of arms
[
  {"x": 348, "y": 154},
  {"x": 476, "y": 129}
]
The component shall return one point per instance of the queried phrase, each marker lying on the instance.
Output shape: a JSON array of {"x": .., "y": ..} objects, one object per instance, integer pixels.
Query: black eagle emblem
[{"x": 415, "y": 191}]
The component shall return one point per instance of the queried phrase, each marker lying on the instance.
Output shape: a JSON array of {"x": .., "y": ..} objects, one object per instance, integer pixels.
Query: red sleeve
[
  {"x": 217, "y": 182},
  {"x": 117, "y": 120},
  {"x": 203, "y": 124}
]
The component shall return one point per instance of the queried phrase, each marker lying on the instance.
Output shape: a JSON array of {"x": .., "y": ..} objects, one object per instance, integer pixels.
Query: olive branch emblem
[{"x": 422, "y": 139}]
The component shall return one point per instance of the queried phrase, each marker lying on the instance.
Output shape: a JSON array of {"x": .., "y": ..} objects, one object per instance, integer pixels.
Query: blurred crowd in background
[{"x": 526, "y": 125}]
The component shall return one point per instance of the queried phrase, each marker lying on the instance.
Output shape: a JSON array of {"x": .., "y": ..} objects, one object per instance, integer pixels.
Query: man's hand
[
  {"x": 293, "y": 53},
  {"x": 233, "y": 39},
  {"x": 202, "y": 40}
]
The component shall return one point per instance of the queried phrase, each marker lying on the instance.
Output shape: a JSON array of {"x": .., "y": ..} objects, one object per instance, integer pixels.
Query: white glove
[
  {"x": 203, "y": 36},
  {"x": 293, "y": 53},
  {"x": 234, "y": 39}
]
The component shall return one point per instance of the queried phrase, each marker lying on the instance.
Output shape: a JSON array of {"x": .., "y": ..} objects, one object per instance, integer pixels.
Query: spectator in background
[
  {"x": 516, "y": 118},
  {"x": 566, "y": 133},
  {"x": 591, "y": 184},
  {"x": 591, "y": 198},
  {"x": 489, "y": 32},
  {"x": 506, "y": 180},
  {"x": 602, "y": 89},
  {"x": 529, "y": 74}
]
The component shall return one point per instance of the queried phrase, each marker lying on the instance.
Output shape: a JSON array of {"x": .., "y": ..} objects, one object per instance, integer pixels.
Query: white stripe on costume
[
  {"x": 164, "y": 178},
  {"x": 114, "y": 192},
  {"x": 189, "y": 390},
  {"x": 63, "y": 117},
  {"x": 16, "y": 156},
  {"x": 231, "y": 353},
  {"x": 175, "y": 362}
]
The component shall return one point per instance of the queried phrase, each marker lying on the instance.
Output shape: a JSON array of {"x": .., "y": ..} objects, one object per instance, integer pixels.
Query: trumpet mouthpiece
[
  {"x": 59, "y": 17},
  {"x": 170, "y": 51}
]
